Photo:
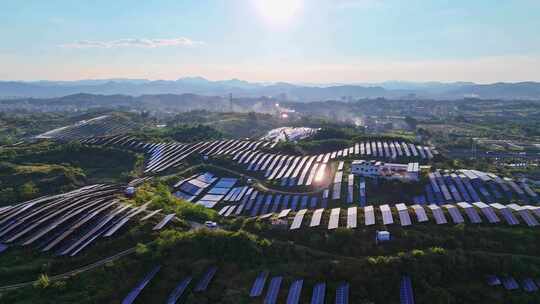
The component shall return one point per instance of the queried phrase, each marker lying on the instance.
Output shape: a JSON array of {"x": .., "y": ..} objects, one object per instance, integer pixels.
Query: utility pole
[{"x": 230, "y": 102}]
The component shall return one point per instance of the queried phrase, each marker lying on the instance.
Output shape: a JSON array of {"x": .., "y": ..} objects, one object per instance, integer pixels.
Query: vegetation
[
  {"x": 160, "y": 197},
  {"x": 33, "y": 170}
]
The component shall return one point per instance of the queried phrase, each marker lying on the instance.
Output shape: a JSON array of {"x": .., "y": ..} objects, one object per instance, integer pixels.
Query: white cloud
[{"x": 132, "y": 42}]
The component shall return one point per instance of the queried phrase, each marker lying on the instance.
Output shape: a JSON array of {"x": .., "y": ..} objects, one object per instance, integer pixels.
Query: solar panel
[
  {"x": 268, "y": 201},
  {"x": 273, "y": 290},
  {"x": 456, "y": 216},
  {"x": 493, "y": 280},
  {"x": 316, "y": 218},
  {"x": 529, "y": 285},
  {"x": 524, "y": 214},
  {"x": 297, "y": 221},
  {"x": 352, "y": 217},
  {"x": 472, "y": 214},
  {"x": 223, "y": 210},
  {"x": 369, "y": 215},
  {"x": 421, "y": 215},
  {"x": 319, "y": 293},
  {"x": 510, "y": 283},
  {"x": 386, "y": 214},
  {"x": 350, "y": 188},
  {"x": 506, "y": 213},
  {"x": 179, "y": 291},
  {"x": 230, "y": 210},
  {"x": 164, "y": 221},
  {"x": 406, "y": 292},
  {"x": 334, "y": 218},
  {"x": 304, "y": 202},
  {"x": 342, "y": 294},
  {"x": 294, "y": 292},
  {"x": 258, "y": 284},
  {"x": 277, "y": 201},
  {"x": 257, "y": 206},
  {"x": 283, "y": 213},
  {"x": 488, "y": 212},
  {"x": 132, "y": 295},
  {"x": 294, "y": 202},
  {"x": 202, "y": 285},
  {"x": 437, "y": 214},
  {"x": 404, "y": 217},
  {"x": 285, "y": 203}
]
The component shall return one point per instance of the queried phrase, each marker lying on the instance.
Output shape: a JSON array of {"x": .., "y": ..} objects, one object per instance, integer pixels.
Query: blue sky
[{"x": 316, "y": 41}]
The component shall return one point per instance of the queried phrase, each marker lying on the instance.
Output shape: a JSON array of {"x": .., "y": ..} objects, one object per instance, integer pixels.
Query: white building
[{"x": 378, "y": 169}]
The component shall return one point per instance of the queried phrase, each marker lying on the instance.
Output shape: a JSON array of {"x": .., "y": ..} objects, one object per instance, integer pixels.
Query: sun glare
[{"x": 278, "y": 12}]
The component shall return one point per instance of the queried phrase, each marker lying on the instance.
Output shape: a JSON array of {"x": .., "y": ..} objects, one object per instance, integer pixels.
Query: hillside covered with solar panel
[{"x": 207, "y": 206}]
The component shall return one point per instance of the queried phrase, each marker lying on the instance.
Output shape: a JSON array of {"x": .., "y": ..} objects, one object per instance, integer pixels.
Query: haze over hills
[{"x": 297, "y": 92}]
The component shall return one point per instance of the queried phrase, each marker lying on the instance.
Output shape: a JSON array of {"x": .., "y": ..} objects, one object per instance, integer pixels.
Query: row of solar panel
[
  {"x": 168, "y": 155},
  {"x": 295, "y": 290},
  {"x": 469, "y": 187},
  {"x": 179, "y": 291},
  {"x": 256, "y": 203},
  {"x": 509, "y": 283},
  {"x": 104, "y": 125},
  {"x": 69, "y": 222},
  {"x": 526, "y": 213}
]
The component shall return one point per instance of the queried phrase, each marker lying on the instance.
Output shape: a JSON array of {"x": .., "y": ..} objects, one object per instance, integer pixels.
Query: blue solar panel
[
  {"x": 257, "y": 206},
  {"x": 137, "y": 290},
  {"x": 294, "y": 292},
  {"x": 430, "y": 196},
  {"x": 405, "y": 292},
  {"x": 179, "y": 291},
  {"x": 319, "y": 292},
  {"x": 313, "y": 203},
  {"x": 273, "y": 290},
  {"x": 529, "y": 285},
  {"x": 304, "y": 203},
  {"x": 202, "y": 285},
  {"x": 510, "y": 283},
  {"x": 294, "y": 203},
  {"x": 285, "y": 203},
  {"x": 493, "y": 280},
  {"x": 258, "y": 284},
  {"x": 342, "y": 293},
  {"x": 276, "y": 205},
  {"x": 3, "y": 247}
]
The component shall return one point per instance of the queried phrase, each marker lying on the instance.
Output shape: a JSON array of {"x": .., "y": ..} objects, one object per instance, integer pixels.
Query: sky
[{"x": 301, "y": 41}]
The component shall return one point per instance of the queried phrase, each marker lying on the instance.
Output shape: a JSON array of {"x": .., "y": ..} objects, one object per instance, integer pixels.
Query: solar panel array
[
  {"x": 472, "y": 186},
  {"x": 319, "y": 294},
  {"x": 304, "y": 170},
  {"x": 166, "y": 155},
  {"x": 273, "y": 290},
  {"x": 334, "y": 218},
  {"x": 104, "y": 125},
  {"x": 70, "y": 222},
  {"x": 258, "y": 284},
  {"x": 132, "y": 295},
  {"x": 293, "y": 297},
  {"x": 179, "y": 291},
  {"x": 342, "y": 293},
  {"x": 386, "y": 214},
  {"x": 203, "y": 283},
  {"x": 404, "y": 216},
  {"x": 406, "y": 292}
]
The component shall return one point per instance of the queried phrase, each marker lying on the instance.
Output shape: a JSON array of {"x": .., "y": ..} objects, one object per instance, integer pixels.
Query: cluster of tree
[{"x": 160, "y": 197}]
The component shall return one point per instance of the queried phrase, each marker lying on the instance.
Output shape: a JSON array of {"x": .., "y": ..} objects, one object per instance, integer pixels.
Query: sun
[{"x": 278, "y": 12}]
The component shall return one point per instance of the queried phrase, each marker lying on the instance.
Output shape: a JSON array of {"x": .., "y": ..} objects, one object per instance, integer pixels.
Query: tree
[
  {"x": 411, "y": 122},
  {"x": 28, "y": 190},
  {"x": 8, "y": 195},
  {"x": 43, "y": 281}
]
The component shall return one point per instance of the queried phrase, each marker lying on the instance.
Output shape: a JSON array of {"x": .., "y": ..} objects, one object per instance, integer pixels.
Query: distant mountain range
[{"x": 295, "y": 92}]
